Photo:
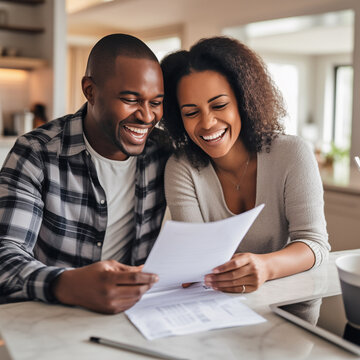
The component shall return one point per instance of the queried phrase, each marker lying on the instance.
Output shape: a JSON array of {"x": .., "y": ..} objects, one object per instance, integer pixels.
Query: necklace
[{"x": 237, "y": 185}]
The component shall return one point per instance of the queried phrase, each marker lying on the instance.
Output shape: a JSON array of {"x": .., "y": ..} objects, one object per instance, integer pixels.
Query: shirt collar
[{"x": 72, "y": 139}]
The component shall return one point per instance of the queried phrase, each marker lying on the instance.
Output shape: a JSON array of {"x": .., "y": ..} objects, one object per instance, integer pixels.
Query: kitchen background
[{"x": 311, "y": 47}]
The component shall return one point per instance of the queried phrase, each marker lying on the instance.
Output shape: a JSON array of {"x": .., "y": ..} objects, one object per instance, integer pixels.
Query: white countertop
[
  {"x": 7, "y": 141},
  {"x": 40, "y": 331},
  {"x": 341, "y": 178}
]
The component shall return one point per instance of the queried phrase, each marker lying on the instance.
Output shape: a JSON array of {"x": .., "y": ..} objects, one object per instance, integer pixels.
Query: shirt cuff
[{"x": 39, "y": 283}]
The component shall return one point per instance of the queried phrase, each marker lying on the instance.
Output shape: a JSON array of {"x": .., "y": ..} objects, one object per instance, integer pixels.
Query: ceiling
[
  {"x": 120, "y": 14},
  {"x": 317, "y": 40},
  {"x": 91, "y": 17}
]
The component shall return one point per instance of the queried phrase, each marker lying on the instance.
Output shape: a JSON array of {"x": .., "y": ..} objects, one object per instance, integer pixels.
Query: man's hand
[
  {"x": 106, "y": 286},
  {"x": 243, "y": 273}
]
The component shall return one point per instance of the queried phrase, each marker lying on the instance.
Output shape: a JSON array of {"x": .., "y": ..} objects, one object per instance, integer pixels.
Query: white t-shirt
[{"x": 118, "y": 181}]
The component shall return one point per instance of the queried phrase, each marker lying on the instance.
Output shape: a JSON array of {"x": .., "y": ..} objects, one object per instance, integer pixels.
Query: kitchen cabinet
[
  {"x": 21, "y": 63},
  {"x": 22, "y": 29},
  {"x": 26, "y": 2},
  {"x": 13, "y": 31},
  {"x": 37, "y": 28},
  {"x": 342, "y": 206},
  {"x": 26, "y": 42},
  {"x": 342, "y": 213}
]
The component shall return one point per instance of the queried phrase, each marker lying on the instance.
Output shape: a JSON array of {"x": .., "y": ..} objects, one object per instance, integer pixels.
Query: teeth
[
  {"x": 137, "y": 130},
  {"x": 214, "y": 136}
]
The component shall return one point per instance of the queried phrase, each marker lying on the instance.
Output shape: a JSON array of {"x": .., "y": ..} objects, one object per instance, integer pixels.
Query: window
[
  {"x": 343, "y": 84},
  {"x": 301, "y": 53},
  {"x": 286, "y": 78},
  {"x": 162, "y": 47}
]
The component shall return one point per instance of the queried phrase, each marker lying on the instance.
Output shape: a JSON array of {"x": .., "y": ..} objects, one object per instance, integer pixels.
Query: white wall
[
  {"x": 206, "y": 18},
  {"x": 49, "y": 85},
  {"x": 12, "y": 95}
]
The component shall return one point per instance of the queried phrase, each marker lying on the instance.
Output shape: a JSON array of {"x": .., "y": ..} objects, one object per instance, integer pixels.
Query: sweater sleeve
[
  {"x": 304, "y": 202},
  {"x": 180, "y": 192}
]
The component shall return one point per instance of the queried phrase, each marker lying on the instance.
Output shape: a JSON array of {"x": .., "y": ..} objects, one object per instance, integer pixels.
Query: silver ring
[{"x": 243, "y": 289}]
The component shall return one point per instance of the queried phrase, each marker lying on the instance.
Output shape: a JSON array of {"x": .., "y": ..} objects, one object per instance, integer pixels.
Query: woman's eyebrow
[
  {"x": 216, "y": 97},
  {"x": 187, "y": 105},
  {"x": 209, "y": 101}
]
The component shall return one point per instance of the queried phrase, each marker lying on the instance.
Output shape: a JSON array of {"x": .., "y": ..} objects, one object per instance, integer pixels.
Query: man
[{"x": 81, "y": 198}]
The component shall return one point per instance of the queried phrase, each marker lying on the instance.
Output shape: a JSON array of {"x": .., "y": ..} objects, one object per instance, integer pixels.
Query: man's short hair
[{"x": 102, "y": 56}]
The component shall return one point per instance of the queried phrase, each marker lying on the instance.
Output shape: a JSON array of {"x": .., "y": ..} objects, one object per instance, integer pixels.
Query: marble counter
[
  {"x": 6, "y": 143},
  {"x": 40, "y": 331},
  {"x": 341, "y": 178}
]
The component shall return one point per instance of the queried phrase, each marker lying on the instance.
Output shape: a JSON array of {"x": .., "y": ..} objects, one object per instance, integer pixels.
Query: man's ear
[{"x": 88, "y": 88}]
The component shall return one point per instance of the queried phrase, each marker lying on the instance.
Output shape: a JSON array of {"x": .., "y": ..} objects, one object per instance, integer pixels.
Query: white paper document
[
  {"x": 185, "y": 311},
  {"x": 185, "y": 252}
]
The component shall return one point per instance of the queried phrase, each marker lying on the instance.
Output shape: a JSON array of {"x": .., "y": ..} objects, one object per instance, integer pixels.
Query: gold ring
[{"x": 243, "y": 289}]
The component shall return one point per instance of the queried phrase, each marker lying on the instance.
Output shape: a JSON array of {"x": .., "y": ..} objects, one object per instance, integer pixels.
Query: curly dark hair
[{"x": 259, "y": 101}]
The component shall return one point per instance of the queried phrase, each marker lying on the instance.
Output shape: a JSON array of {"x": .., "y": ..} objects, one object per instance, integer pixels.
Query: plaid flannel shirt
[{"x": 53, "y": 210}]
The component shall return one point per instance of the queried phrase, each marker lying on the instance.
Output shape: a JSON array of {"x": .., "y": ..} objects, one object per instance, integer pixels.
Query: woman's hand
[{"x": 245, "y": 272}]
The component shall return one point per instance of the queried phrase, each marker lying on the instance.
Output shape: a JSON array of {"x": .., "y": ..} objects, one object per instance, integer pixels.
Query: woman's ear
[{"x": 88, "y": 88}]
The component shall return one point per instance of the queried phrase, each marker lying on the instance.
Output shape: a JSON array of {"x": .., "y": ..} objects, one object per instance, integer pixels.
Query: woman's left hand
[{"x": 245, "y": 272}]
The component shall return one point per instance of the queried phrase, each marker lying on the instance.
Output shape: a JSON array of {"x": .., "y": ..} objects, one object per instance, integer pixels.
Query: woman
[{"x": 222, "y": 112}]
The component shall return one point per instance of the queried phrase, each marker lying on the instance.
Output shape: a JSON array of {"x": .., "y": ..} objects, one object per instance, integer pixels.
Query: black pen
[{"x": 133, "y": 348}]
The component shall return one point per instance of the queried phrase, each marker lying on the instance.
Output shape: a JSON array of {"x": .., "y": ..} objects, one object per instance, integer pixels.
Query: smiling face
[
  {"x": 209, "y": 112},
  {"x": 124, "y": 108}
]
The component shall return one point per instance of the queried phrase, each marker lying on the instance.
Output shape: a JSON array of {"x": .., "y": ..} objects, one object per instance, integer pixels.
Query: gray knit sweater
[{"x": 288, "y": 183}]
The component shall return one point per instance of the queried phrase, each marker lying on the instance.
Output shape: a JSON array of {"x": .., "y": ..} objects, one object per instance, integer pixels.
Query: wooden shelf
[
  {"x": 25, "y": 2},
  {"x": 21, "y": 63},
  {"x": 22, "y": 29}
]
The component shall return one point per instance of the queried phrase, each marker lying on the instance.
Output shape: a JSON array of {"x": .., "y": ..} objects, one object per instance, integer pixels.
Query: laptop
[
  {"x": 323, "y": 316},
  {"x": 4, "y": 353}
]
